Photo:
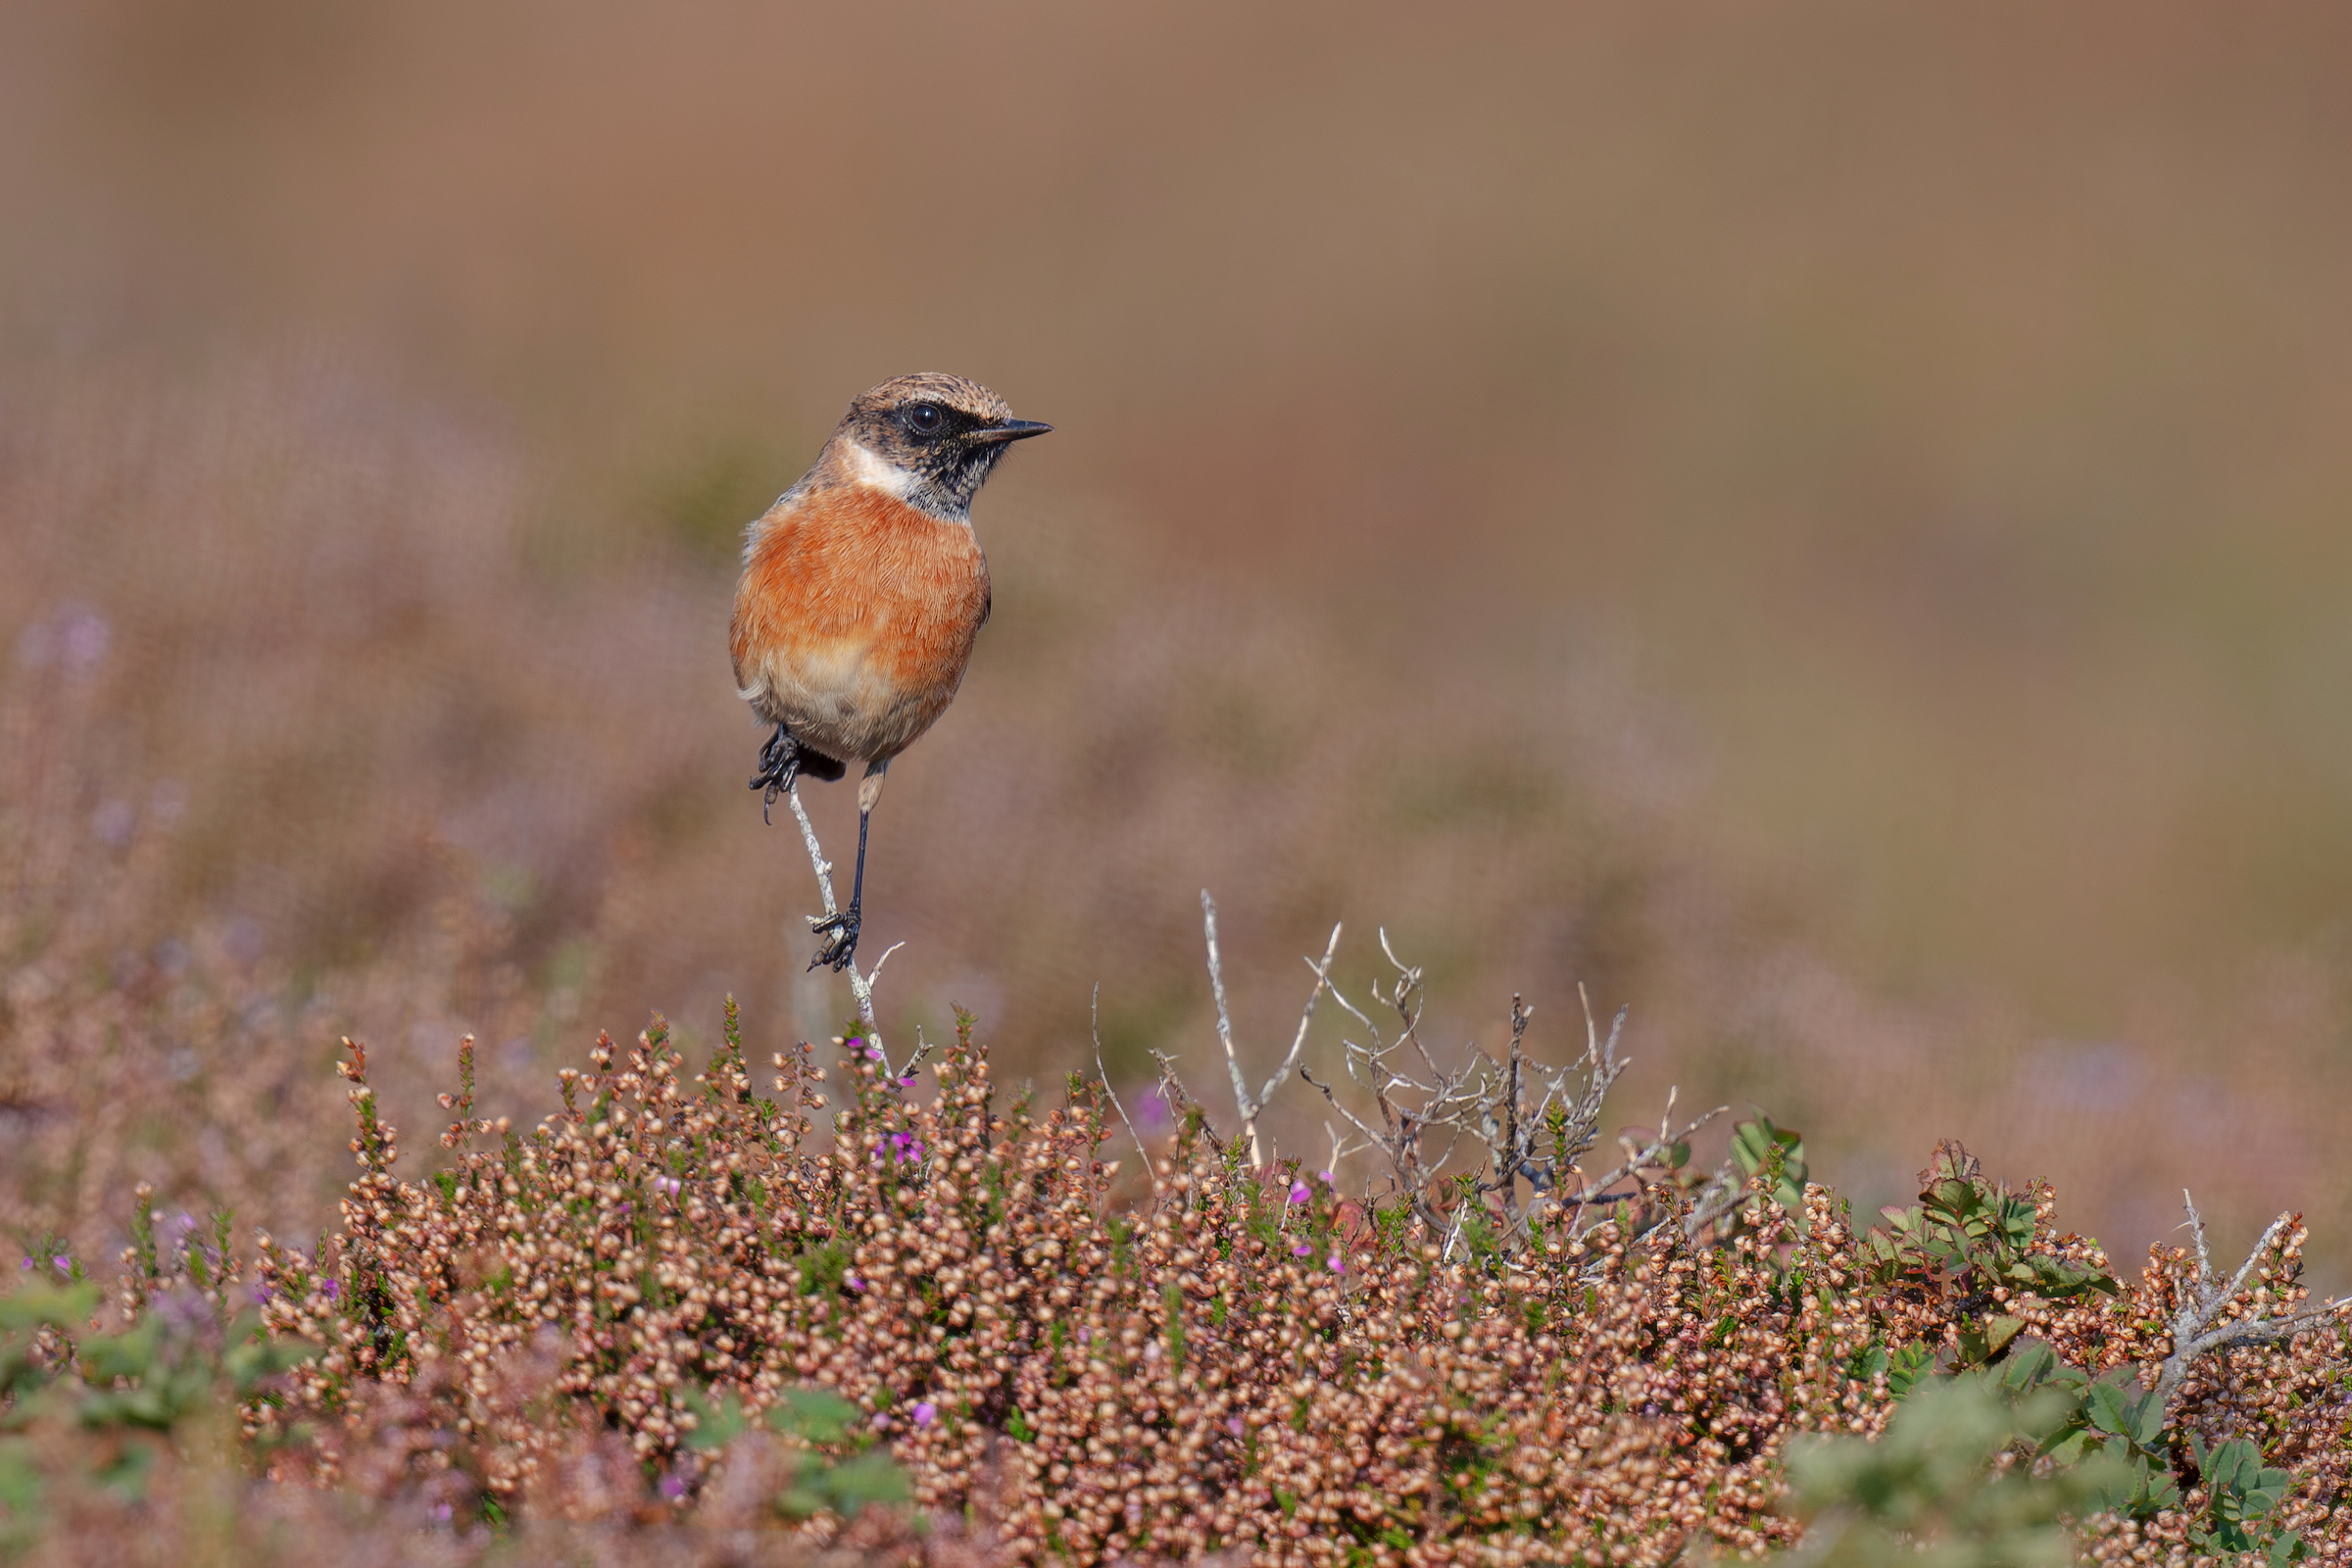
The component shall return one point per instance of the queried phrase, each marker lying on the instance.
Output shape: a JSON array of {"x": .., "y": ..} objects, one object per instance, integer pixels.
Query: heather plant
[
  {"x": 1250, "y": 1359},
  {"x": 811, "y": 1313}
]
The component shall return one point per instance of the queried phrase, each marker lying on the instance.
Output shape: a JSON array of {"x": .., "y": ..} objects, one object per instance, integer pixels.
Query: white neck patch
[{"x": 872, "y": 469}]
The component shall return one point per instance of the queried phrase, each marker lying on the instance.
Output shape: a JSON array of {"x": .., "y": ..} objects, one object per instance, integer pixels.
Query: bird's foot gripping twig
[
  {"x": 862, "y": 986},
  {"x": 840, "y": 931},
  {"x": 779, "y": 768}
]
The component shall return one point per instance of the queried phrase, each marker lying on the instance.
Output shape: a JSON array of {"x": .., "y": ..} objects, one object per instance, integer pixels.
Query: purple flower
[
  {"x": 673, "y": 1488},
  {"x": 1324, "y": 1177},
  {"x": 851, "y": 1281},
  {"x": 669, "y": 1185},
  {"x": 62, "y": 1262},
  {"x": 925, "y": 1413},
  {"x": 441, "y": 1512},
  {"x": 331, "y": 1290},
  {"x": 1301, "y": 1250},
  {"x": 1234, "y": 1426},
  {"x": 904, "y": 1147},
  {"x": 187, "y": 1222},
  {"x": 1339, "y": 1264},
  {"x": 261, "y": 1295},
  {"x": 1300, "y": 1191}
]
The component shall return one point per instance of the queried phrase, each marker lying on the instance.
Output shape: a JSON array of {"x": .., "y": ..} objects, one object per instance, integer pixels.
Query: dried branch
[
  {"x": 1251, "y": 1106},
  {"x": 1095, "y": 1026},
  {"x": 2200, "y": 1328},
  {"x": 862, "y": 986},
  {"x": 1527, "y": 1120},
  {"x": 1180, "y": 1099}
]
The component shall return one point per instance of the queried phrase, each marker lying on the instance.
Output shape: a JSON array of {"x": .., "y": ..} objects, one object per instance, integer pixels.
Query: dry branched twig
[
  {"x": 2208, "y": 1320},
  {"x": 1249, "y": 1107},
  {"x": 1531, "y": 1121}
]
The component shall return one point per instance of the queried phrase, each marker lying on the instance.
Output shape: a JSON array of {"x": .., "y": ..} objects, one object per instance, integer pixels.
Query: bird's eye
[{"x": 923, "y": 417}]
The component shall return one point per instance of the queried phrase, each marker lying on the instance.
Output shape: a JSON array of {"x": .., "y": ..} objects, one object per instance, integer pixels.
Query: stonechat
[{"x": 862, "y": 590}]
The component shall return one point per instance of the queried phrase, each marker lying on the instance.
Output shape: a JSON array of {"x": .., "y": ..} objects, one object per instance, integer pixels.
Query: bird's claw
[
  {"x": 841, "y": 944},
  {"x": 779, "y": 769}
]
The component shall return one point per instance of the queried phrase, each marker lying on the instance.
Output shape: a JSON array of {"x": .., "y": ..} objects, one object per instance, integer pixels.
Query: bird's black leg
[
  {"x": 840, "y": 945},
  {"x": 779, "y": 768}
]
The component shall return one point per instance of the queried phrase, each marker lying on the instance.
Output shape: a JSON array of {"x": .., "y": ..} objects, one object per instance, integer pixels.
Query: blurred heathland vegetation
[{"x": 1827, "y": 524}]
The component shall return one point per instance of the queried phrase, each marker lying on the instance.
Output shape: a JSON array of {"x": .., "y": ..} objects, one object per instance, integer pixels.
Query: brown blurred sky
[{"x": 1829, "y": 521}]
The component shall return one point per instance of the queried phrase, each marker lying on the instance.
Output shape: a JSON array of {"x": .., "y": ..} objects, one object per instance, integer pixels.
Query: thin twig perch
[{"x": 862, "y": 986}]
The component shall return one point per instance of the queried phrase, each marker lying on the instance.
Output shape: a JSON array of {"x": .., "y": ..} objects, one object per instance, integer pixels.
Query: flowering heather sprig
[
  {"x": 1248, "y": 1362},
  {"x": 1251, "y": 1363}
]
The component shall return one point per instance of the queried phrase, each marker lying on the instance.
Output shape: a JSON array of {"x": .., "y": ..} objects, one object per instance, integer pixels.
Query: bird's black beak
[{"x": 1009, "y": 430}]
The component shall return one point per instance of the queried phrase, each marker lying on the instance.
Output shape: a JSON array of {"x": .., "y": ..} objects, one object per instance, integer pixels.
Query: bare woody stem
[
  {"x": 862, "y": 986},
  {"x": 1248, "y": 1104},
  {"x": 2201, "y": 1327}
]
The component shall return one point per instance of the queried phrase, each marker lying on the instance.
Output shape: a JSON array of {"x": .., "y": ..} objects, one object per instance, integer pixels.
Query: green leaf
[
  {"x": 2144, "y": 1419},
  {"x": 1907, "y": 1366},
  {"x": 67, "y": 1309},
  {"x": 717, "y": 1423},
  {"x": 1980, "y": 1343},
  {"x": 2233, "y": 1466},
  {"x": 868, "y": 1478},
  {"x": 2107, "y": 1410},
  {"x": 815, "y": 1415}
]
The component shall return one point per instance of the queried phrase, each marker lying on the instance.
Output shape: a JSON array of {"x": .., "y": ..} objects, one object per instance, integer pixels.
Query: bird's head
[{"x": 928, "y": 440}]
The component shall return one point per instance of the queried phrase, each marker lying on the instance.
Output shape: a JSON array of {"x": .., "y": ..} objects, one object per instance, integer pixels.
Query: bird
[{"x": 862, "y": 590}]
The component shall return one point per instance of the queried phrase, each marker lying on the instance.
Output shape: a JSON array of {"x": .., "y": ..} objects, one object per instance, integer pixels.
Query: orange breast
[{"x": 854, "y": 619}]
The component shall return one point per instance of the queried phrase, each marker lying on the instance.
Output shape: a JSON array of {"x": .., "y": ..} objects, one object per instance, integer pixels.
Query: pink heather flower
[
  {"x": 851, "y": 1281},
  {"x": 1339, "y": 1264},
  {"x": 925, "y": 1413},
  {"x": 673, "y": 1488},
  {"x": 904, "y": 1147},
  {"x": 1324, "y": 1177},
  {"x": 1234, "y": 1426},
  {"x": 1300, "y": 1191},
  {"x": 1301, "y": 1250}
]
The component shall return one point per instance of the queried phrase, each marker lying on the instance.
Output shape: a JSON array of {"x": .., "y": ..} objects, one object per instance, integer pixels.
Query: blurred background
[{"x": 1825, "y": 523}]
